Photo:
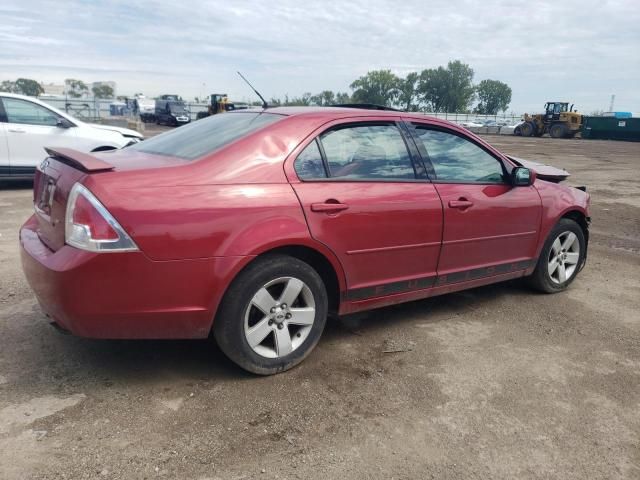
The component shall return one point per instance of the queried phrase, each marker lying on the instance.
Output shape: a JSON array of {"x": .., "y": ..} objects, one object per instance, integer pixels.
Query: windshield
[
  {"x": 207, "y": 135},
  {"x": 177, "y": 108}
]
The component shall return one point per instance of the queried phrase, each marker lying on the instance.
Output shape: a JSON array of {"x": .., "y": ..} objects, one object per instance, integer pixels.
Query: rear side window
[
  {"x": 309, "y": 164},
  {"x": 207, "y": 135},
  {"x": 367, "y": 152},
  {"x": 457, "y": 160}
]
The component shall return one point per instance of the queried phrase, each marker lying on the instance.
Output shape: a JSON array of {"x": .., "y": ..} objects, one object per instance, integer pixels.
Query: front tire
[
  {"x": 561, "y": 258},
  {"x": 272, "y": 316},
  {"x": 527, "y": 129}
]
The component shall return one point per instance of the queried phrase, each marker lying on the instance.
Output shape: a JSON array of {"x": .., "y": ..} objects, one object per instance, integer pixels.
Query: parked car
[
  {"x": 172, "y": 112},
  {"x": 253, "y": 226},
  {"x": 472, "y": 123},
  {"x": 146, "y": 108},
  {"x": 27, "y": 125}
]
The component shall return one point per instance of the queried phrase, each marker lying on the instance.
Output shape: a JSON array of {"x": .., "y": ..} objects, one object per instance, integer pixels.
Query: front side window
[
  {"x": 367, "y": 152},
  {"x": 457, "y": 160},
  {"x": 25, "y": 112},
  {"x": 207, "y": 135}
]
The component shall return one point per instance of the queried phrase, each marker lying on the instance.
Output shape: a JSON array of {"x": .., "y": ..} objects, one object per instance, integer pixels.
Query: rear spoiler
[{"x": 82, "y": 161}]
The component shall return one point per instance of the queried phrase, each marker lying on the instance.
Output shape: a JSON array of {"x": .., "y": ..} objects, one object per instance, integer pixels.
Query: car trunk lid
[{"x": 53, "y": 181}]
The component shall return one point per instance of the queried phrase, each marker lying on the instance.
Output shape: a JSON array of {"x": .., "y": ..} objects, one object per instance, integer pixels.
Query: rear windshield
[{"x": 207, "y": 135}]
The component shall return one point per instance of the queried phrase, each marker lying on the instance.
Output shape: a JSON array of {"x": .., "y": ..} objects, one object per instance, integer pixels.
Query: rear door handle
[
  {"x": 328, "y": 207},
  {"x": 17, "y": 130},
  {"x": 461, "y": 203}
]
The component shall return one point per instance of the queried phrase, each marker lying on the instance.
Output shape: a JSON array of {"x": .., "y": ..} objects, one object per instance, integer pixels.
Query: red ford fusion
[{"x": 253, "y": 226}]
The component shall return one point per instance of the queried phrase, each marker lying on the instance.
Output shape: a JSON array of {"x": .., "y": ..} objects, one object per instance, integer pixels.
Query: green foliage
[
  {"x": 75, "y": 88},
  {"x": 447, "y": 89},
  {"x": 8, "y": 86},
  {"x": 102, "y": 91},
  {"x": 342, "y": 98},
  {"x": 380, "y": 87},
  {"x": 29, "y": 87},
  {"x": 302, "y": 101},
  {"x": 443, "y": 89},
  {"x": 493, "y": 96},
  {"x": 324, "y": 98},
  {"x": 408, "y": 96}
]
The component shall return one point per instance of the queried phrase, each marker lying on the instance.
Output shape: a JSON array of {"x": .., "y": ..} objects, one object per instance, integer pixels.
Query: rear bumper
[{"x": 125, "y": 295}]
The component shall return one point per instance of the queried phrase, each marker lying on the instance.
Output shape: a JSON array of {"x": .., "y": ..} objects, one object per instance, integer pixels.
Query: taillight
[{"x": 90, "y": 226}]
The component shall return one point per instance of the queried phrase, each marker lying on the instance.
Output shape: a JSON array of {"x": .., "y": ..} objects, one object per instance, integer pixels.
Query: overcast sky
[{"x": 580, "y": 51}]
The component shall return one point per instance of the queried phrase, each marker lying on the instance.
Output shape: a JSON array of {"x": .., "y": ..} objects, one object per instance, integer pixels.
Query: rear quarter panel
[{"x": 198, "y": 221}]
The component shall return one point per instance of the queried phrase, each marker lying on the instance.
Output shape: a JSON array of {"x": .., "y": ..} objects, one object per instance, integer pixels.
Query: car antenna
[{"x": 264, "y": 102}]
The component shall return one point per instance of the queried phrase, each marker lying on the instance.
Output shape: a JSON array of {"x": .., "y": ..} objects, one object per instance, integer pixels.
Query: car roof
[{"x": 334, "y": 113}]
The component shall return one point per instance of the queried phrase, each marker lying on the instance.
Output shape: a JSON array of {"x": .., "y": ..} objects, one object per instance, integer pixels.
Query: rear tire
[
  {"x": 558, "y": 130},
  {"x": 272, "y": 316},
  {"x": 561, "y": 258}
]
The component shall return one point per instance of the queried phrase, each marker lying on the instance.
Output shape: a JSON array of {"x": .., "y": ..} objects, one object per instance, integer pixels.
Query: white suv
[{"x": 27, "y": 125}]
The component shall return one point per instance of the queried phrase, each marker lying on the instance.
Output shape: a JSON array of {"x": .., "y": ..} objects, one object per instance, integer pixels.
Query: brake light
[{"x": 90, "y": 226}]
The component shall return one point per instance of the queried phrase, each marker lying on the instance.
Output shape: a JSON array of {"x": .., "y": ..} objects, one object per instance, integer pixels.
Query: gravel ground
[{"x": 496, "y": 382}]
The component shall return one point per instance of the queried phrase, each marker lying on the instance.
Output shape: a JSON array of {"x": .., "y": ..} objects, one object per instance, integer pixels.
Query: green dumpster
[{"x": 611, "y": 128}]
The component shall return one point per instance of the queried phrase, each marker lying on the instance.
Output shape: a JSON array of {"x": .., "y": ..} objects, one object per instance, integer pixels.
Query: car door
[
  {"x": 4, "y": 149},
  {"x": 490, "y": 226},
  {"x": 366, "y": 199},
  {"x": 29, "y": 128}
]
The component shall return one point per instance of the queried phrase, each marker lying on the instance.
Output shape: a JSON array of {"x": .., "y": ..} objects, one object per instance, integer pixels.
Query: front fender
[{"x": 559, "y": 201}]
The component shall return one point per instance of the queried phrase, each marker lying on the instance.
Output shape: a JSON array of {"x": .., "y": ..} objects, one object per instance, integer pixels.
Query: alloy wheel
[
  {"x": 563, "y": 257},
  {"x": 279, "y": 317}
]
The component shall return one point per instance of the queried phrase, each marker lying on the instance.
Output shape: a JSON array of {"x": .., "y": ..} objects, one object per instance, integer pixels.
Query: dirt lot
[{"x": 497, "y": 382}]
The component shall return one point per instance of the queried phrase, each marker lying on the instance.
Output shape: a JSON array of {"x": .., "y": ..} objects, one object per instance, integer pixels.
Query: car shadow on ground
[{"x": 132, "y": 361}]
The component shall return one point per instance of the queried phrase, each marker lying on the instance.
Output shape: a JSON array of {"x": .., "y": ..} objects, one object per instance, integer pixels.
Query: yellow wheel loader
[{"x": 559, "y": 121}]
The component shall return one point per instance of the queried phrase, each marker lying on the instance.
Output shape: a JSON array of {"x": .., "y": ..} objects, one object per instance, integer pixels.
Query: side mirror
[
  {"x": 63, "y": 123},
  {"x": 523, "y": 177}
]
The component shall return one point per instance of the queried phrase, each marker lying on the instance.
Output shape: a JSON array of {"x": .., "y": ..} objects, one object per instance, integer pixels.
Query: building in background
[{"x": 53, "y": 90}]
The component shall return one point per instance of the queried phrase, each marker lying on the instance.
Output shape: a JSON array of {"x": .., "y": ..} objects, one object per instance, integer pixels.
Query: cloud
[{"x": 581, "y": 51}]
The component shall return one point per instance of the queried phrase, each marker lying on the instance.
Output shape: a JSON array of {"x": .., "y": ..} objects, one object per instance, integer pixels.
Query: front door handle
[
  {"x": 329, "y": 206},
  {"x": 461, "y": 203},
  {"x": 17, "y": 130}
]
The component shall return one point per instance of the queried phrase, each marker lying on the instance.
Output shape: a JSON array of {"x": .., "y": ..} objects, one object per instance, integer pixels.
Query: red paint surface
[{"x": 198, "y": 223}]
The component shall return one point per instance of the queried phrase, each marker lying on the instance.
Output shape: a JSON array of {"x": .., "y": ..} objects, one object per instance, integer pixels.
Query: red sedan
[{"x": 253, "y": 226}]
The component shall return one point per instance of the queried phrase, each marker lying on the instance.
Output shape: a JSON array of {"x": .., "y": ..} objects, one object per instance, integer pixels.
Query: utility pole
[{"x": 613, "y": 99}]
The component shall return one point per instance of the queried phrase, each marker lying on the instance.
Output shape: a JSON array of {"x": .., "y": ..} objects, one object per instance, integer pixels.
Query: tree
[
  {"x": 102, "y": 91},
  {"x": 408, "y": 96},
  {"x": 75, "y": 88},
  {"x": 29, "y": 87},
  {"x": 304, "y": 100},
  {"x": 380, "y": 87},
  {"x": 447, "y": 89},
  {"x": 325, "y": 97},
  {"x": 493, "y": 97},
  {"x": 8, "y": 86},
  {"x": 342, "y": 98}
]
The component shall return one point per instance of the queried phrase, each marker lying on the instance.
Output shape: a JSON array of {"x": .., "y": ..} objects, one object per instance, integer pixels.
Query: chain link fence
[{"x": 103, "y": 109}]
